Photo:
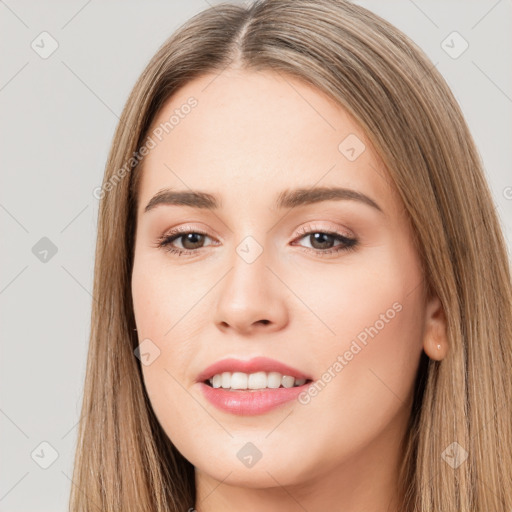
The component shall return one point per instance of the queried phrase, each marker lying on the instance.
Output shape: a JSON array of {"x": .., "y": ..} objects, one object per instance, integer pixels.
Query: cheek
[
  {"x": 373, "y": 295},
  {"x": 165, "y": 321},
  {"x": 370, "y": 359},
  {"x": 160, "y": 296},
  {"x": 161, "y": 316}
]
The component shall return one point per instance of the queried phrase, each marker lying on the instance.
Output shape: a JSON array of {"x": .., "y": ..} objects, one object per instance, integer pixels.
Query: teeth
[
  {"x": 226, "y": 380},
  {"x": 273, "y": 379},
  {"x": 216, "y": 382},
  {"x": 288, "y": 381},
  {"x": 258, "y": 380},
  {"x": 239, "y": 380}
]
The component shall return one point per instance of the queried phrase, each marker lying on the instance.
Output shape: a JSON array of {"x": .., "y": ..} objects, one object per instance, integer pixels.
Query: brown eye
[
  {"x": 190, "y": 242},
  {"x": 322, "y": 242}
]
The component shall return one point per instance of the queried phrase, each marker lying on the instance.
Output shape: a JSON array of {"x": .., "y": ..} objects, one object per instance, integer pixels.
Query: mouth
[{"x": 250, "y": 387}]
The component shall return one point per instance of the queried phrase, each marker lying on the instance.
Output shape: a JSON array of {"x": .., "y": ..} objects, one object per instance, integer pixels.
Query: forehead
[{"x": 254, "y": 134}]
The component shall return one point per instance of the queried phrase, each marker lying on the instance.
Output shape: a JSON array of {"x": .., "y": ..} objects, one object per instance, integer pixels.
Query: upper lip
[{"x": 257, "y": 364}]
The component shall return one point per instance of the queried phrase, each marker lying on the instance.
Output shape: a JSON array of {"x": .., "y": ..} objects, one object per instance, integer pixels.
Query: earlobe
[{"x": 435, "y": 342}]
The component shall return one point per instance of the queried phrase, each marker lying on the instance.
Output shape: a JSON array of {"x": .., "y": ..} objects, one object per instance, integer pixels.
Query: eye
[
  {"x": 191, "y": 241},
  {"x": 322, "y": 242}
]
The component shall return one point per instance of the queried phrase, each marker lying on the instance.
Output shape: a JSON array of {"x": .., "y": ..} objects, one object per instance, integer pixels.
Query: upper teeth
[{"x": 258, "y": 380}]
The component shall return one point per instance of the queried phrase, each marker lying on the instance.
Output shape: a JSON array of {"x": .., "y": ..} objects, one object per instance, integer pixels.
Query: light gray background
[{"x": 58, "y": 117}]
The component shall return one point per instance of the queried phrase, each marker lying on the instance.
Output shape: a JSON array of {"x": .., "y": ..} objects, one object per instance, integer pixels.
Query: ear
[{"x": 435, "y": 341}]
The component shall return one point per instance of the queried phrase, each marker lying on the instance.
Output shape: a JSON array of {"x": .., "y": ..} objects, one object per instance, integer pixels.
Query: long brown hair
[{"x": 124, "y": 460}]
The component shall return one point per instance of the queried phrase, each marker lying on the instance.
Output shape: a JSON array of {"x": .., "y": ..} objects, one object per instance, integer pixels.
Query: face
[{"x": 330, "y": 286}]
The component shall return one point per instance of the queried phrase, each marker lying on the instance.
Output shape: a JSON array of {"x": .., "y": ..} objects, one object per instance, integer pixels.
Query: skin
[{"x": 252, "y": 135}]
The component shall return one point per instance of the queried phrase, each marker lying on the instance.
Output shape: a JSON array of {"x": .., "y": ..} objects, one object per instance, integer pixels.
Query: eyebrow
[{"x": 285, "y": 199}]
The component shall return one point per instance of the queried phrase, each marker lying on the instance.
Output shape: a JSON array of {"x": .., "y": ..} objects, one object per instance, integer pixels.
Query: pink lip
[
  {"x": 248, "y": 403},
  {"x": 257, "y": 364}
]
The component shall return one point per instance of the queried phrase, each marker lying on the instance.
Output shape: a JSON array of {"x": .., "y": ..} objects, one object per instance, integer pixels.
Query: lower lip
[{"x": 247, "y": 403}]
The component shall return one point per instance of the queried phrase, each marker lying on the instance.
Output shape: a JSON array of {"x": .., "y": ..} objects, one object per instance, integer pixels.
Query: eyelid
[
  {"x": 187, "y": 229},
  {"x": 333, "y": 228}
]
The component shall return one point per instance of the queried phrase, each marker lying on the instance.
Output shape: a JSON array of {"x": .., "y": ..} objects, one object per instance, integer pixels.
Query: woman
[{"x": 303, "y": 292}]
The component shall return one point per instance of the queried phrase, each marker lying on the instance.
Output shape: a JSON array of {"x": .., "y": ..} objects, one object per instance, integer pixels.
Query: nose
[{"x": 251, "y": 298}]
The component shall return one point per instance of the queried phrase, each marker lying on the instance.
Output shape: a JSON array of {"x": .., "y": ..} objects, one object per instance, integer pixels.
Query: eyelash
[{"x": 349, "y": 244}]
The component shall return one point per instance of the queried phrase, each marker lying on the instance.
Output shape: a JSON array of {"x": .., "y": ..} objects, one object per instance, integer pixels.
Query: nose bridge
[{"x": 250, "y": 293}]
